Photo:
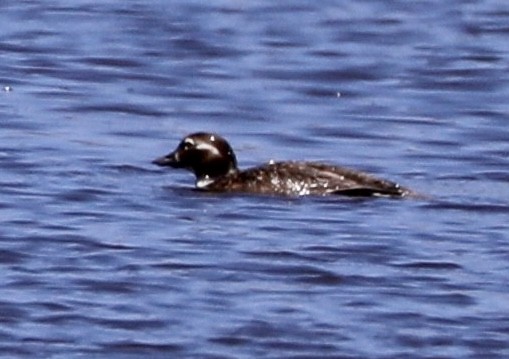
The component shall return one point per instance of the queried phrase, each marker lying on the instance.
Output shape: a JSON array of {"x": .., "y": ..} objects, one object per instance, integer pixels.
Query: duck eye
[{"x": 187, "y": 145}]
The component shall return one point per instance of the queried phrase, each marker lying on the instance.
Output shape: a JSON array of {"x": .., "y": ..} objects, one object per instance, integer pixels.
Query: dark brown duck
[{"x": 214, "y": 164}]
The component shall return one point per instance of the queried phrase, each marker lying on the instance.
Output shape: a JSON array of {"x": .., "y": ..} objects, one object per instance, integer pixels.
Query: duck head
[{"x": 207, "y": 155}]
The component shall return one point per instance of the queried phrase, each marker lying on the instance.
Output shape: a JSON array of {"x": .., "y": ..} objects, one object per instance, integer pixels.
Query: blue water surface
[{"x": 103, "y": 255}]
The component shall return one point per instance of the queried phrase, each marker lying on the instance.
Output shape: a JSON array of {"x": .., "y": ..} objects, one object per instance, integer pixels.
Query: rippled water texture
[{"x": 104, "y": 255}]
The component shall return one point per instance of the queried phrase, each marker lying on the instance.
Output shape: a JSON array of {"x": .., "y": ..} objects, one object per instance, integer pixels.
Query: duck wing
[{"x": 323, "y": 179}]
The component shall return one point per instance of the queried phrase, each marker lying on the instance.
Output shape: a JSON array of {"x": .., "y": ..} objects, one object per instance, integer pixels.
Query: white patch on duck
[{"x": 207, "y": 147}]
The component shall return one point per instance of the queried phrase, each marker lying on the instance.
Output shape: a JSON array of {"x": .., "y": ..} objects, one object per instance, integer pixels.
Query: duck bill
[{"x": 170, "y": 160}]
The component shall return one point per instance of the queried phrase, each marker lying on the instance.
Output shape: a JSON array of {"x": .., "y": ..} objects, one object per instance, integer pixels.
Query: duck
[{"x": 213, "y": 162}]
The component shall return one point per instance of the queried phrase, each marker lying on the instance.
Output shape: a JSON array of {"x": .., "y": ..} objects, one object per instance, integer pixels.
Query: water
[{"x": 104, "y": 255}]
